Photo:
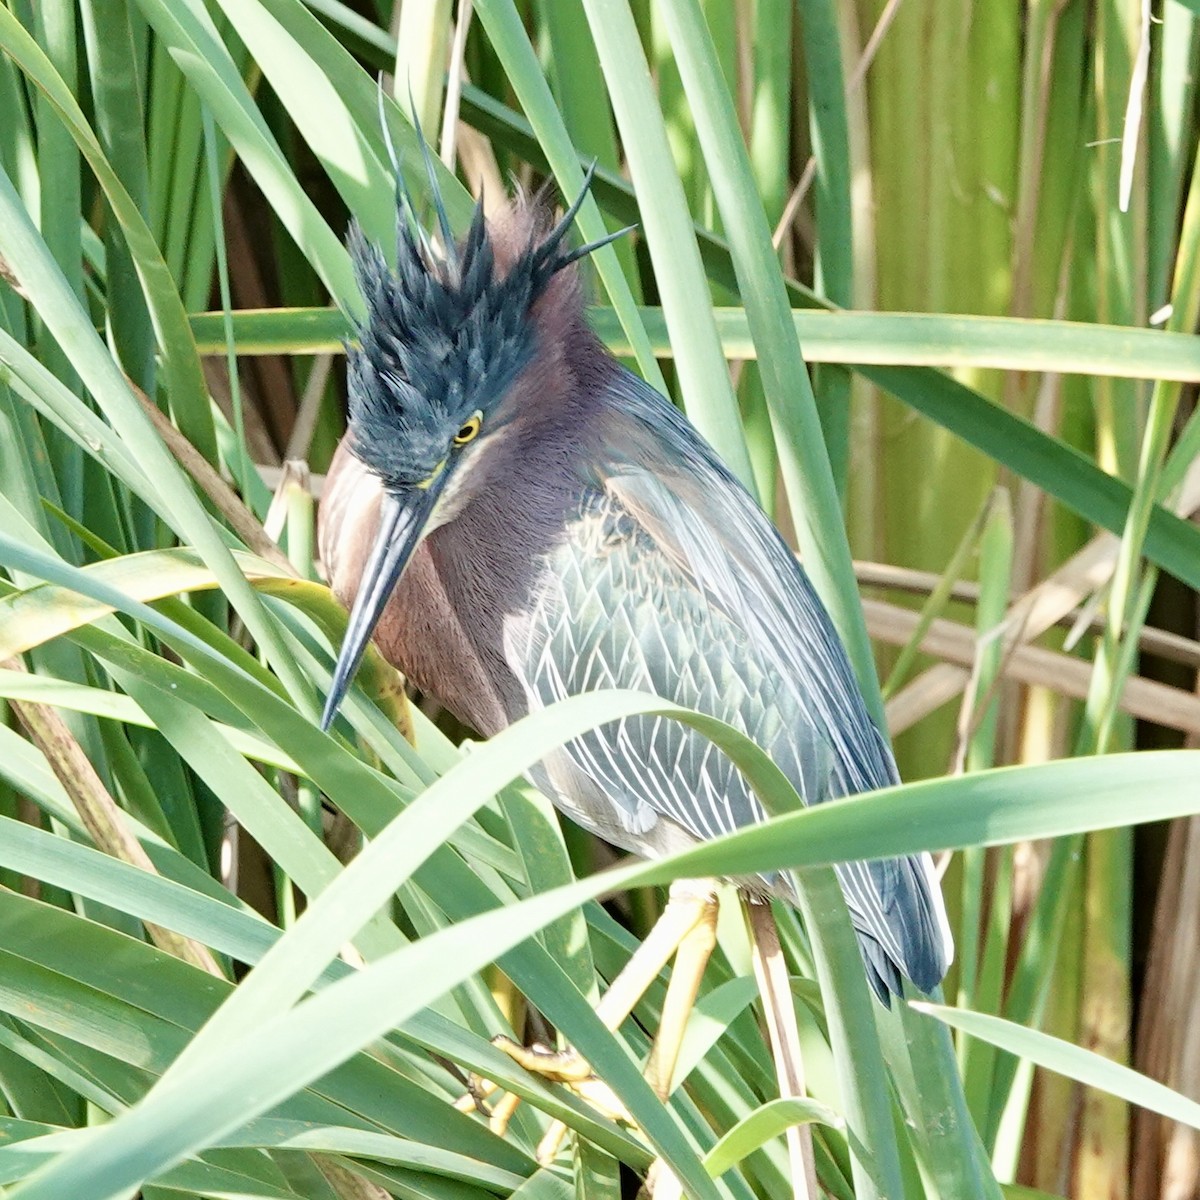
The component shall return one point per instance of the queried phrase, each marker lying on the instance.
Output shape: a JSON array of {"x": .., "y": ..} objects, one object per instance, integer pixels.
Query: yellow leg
[
  {"x": 502, "y": 1113},
  {"x": 690, "y": 960},
  {"x": 689, "y": 903},
  {"x": 687, "y": 926},
  {"x": 771, "y": 972}
]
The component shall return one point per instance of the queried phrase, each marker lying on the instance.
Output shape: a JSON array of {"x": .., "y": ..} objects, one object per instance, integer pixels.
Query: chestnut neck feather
[{"x": 444, "y": 625}]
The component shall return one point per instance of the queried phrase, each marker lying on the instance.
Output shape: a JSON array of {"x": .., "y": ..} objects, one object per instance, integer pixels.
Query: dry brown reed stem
[
  {"x": 952, "y": 642},
  {"x": 1167, "y": 1154},
  {"x": 783, "y": 1034},
  {"x": 1055, "y": 600},
  {"x": 455, "y": 72},
  {"x": 224, "y": 499},
  {"x": 300, "y": 439},
  {"x": 102, "y": 817},
  {"x": 1162, "y": 643}
]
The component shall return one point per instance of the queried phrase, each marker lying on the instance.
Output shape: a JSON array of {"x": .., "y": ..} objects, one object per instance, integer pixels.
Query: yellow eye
[{"x": 469, "y": 430}]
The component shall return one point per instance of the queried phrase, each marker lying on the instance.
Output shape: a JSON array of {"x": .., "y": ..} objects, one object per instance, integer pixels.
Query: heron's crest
[{"x": 445, "y": 334}]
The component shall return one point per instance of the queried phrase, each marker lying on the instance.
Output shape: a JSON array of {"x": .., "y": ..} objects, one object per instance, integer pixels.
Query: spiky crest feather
[{"x": 444, "y": 336}]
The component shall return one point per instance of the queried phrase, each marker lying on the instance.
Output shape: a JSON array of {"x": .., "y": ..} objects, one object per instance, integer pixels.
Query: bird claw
[
  {"x": 567, "y": 1067},
  {"x": 478, "y": 1090},
  {"x": 559, "y": 1066}
]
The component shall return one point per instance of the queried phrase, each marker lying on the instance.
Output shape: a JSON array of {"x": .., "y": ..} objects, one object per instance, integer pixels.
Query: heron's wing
[
  {"x": 613, "y": 611},
  {"x": 672, "y": 581},
  {"x": 744, "y": 569},
  {"x": 723, "y": 543}
]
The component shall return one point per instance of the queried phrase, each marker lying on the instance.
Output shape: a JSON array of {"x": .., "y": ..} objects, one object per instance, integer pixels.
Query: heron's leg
[
  {"x": 687, "y": 926},
  {"x": 695, "y": 949},
  {"x": 784, "y": 1036},
  {"x": 691, "y": 905}
]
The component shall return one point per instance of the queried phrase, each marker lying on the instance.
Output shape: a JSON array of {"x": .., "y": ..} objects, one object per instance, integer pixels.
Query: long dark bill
[{"x": 402, "y": 520}]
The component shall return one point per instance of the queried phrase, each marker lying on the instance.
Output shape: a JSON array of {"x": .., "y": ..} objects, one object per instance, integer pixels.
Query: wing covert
[{"x": 613, "y": 612}]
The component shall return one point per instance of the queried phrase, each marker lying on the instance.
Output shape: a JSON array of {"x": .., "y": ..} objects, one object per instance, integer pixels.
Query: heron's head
[{"x": 444, "y": 339}]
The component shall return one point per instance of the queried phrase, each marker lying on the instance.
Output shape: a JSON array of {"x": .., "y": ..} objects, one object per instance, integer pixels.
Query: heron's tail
[{"x": 898, "y": 913}]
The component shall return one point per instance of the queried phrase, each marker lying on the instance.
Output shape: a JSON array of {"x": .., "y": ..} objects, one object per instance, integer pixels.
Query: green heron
[{"x": 518, "y": 518}]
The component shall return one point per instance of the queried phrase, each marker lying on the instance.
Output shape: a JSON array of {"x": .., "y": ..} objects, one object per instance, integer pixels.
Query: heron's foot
[
  {"x": 559, "y": 1066},
  {"x": 686, "y": 929},
  {"x": 571, "y": 1069},
  {"x": 567, "y": 1067}
]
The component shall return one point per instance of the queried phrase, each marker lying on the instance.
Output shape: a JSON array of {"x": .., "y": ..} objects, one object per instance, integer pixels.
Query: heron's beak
[{"x": 402, "y": 520}]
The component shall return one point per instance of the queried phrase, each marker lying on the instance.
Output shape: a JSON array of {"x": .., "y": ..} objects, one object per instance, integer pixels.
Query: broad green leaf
[
  {"x": 1085, "y": 1066},
  {"x": 287, "y": 1050},
  {"x": 760, "y": 1126},
  {"x": 34, "y": 616}
]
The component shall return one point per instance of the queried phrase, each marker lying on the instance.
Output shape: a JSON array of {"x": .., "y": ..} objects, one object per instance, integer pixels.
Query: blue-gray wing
[
  {"x": 613, "y": 611},
  {"x": 713, "y": 612}
]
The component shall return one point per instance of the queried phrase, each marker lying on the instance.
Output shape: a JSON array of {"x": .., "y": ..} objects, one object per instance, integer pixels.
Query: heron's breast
[{"x": 430, "y": 627}]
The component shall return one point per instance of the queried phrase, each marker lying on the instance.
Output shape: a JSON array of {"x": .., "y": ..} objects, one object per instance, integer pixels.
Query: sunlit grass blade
[
  {"x": 704, "y": 378},
  {"x": 1073, "y": 1061},
  {"x": 163, "y": 1130}
]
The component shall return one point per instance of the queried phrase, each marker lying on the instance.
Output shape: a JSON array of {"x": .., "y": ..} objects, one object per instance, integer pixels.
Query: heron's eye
[{"x": 469, "y": 429}]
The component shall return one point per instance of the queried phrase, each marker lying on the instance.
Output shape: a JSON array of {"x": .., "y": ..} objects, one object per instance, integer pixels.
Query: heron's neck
[{"x": 556, "y": 418}]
